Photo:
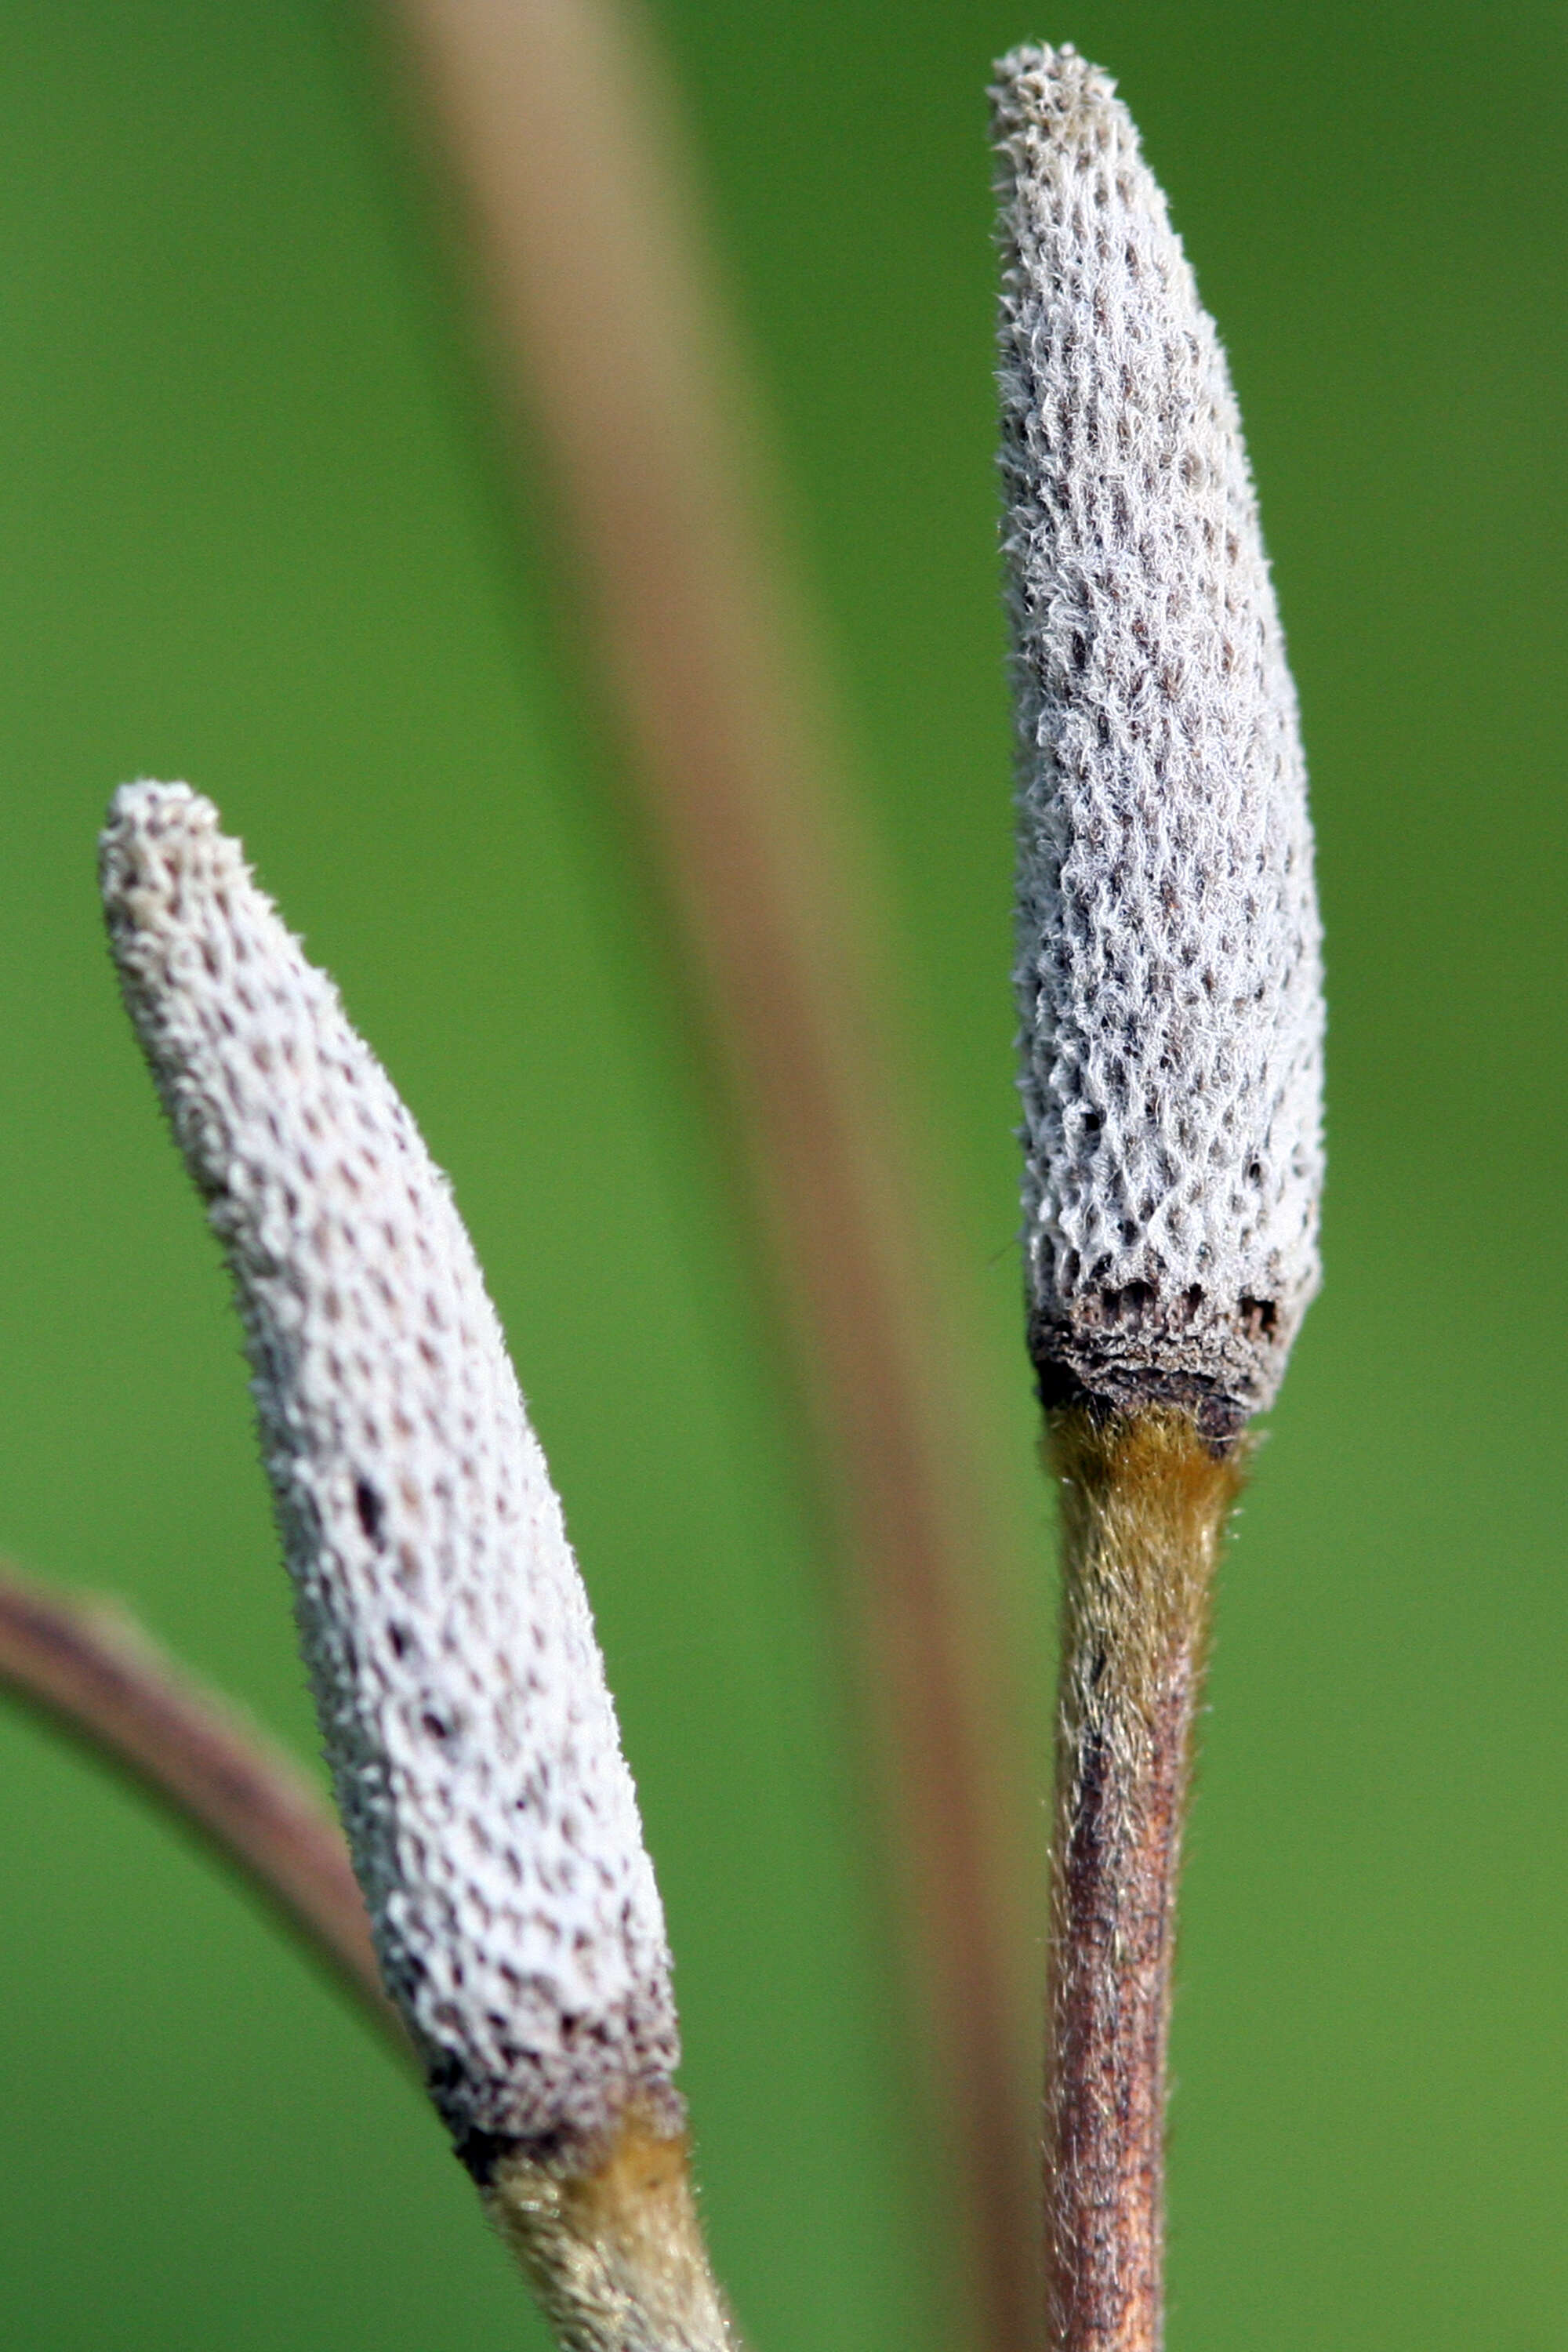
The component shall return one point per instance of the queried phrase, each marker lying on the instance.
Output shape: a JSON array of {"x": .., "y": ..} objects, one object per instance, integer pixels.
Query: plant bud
[
  {"x": 473, "y": 1744},
  {"x": 1168, "y": 972}
]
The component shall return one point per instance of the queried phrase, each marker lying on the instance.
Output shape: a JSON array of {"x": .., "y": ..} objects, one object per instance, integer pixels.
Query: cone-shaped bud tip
[{"x": 1168, "y": 971}]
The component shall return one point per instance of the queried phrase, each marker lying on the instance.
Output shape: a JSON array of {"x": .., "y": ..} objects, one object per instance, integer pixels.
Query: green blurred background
[{"x": 253, "y": 535}]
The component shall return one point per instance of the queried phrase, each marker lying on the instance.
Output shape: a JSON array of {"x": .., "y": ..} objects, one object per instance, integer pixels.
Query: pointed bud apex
[
  {"x": 472, "y": 1741},
  {"x": 1168, "y": 973}
]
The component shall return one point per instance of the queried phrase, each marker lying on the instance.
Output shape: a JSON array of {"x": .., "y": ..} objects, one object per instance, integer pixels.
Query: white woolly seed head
[
  {"x": 1168, "y": 970},
  {"x": 472, "y": 1740}
]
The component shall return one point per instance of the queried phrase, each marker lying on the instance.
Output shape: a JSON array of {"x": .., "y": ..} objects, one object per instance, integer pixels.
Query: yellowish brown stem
[
  {"x": 1146, "y": 1499},
  {"x": 613, "y": 2249}
]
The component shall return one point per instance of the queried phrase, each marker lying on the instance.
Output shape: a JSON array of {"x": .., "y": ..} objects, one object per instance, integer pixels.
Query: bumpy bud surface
[
  {"x": 472, "y": 1741},
  {"x": 1168, "y": 971}
]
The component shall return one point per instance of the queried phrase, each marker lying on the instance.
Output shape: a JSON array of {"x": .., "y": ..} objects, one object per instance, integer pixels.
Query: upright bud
[{"x": 1168, "y": 972}]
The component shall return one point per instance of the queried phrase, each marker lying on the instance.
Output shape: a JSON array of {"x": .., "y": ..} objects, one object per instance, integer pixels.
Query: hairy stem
[
  {"x": 613, "y": 2247},
  {"x": 1144, "y": 1503},
  {"x": 91, "y": 1669}
]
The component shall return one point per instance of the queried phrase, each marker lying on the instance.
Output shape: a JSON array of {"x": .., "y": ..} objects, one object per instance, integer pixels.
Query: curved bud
[
  {"x": 1168, "y": 967},
  {"x": 473, "y": 1744}
]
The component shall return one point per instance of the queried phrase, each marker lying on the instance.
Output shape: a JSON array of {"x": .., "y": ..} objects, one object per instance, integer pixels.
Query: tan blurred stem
[
  {"x": 1145, "y": 1506},
  {"x": 601, "y": 318},
  {"x": 91, "y": 1670}
]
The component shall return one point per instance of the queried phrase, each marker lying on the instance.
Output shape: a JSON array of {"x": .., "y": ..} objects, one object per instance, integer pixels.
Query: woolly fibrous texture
[
  {"x": 1168, "y": 971},
  {"x": 472, "y": 1741}
]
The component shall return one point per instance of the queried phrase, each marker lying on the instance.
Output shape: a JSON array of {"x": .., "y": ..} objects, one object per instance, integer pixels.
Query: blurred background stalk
[
  {"x": 92, "y": 1672},
  {"x": 603, "y": 324}
]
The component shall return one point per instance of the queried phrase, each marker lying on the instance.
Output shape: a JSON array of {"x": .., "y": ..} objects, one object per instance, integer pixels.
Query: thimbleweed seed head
[
  {"x": 472, "y": 1740},
  {"x": 1168, "y": 970}
]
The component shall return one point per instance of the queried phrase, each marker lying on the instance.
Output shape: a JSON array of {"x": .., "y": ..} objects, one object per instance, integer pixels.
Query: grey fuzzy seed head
[
  {"x": 1168, "y": 975},
  {"x": 461, "y": 1695}
]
